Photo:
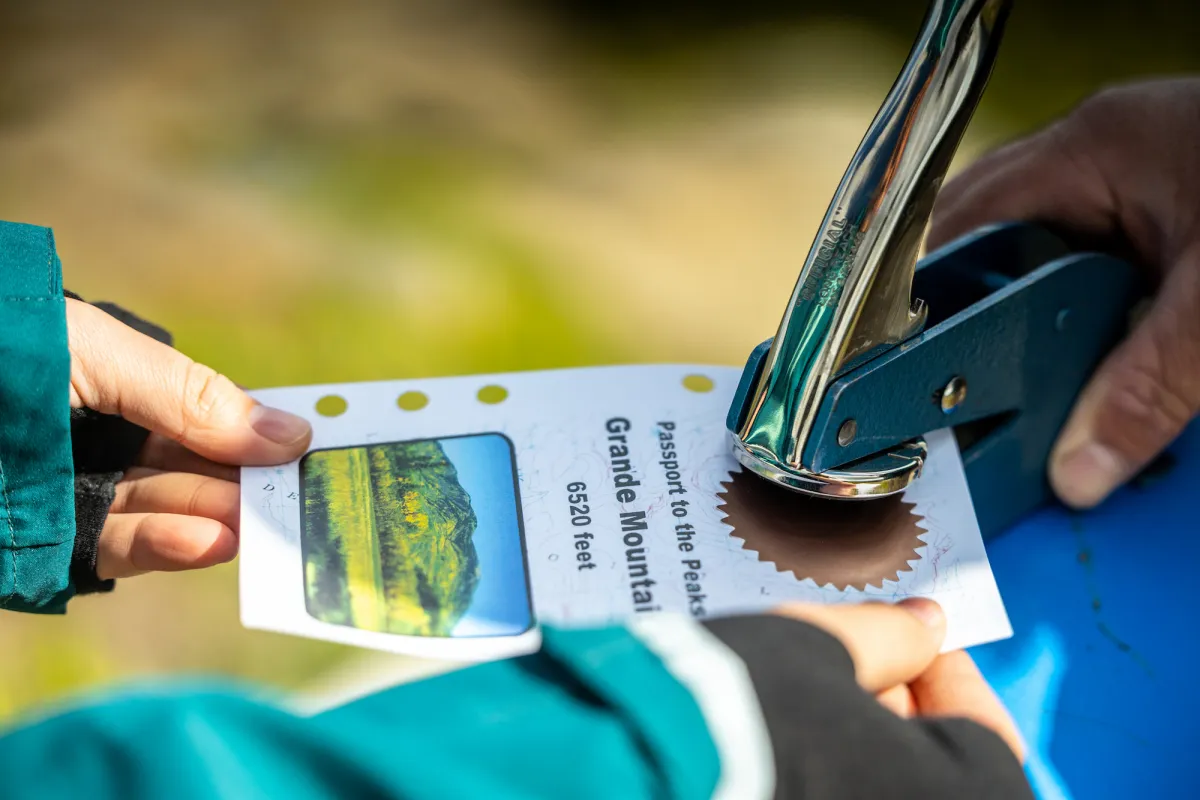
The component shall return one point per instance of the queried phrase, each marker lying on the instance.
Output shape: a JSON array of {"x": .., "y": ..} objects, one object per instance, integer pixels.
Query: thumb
[
  {"x": 889, "y": 644},
  {"x": 117, "y": 370},
  {"x": 1139, "y": 400}
]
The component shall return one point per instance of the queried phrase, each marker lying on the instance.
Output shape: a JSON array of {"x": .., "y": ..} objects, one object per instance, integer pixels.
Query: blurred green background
[{"x": 313, "y": 191}]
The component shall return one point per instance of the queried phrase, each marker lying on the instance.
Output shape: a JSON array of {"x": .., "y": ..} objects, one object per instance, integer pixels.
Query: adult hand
[
  {"x": 895, "y": 653},
  {"x": 178, "y": 508},
  {"x": 1121, "y": 172}
]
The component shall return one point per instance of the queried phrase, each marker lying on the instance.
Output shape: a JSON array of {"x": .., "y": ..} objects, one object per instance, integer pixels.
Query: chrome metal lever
[{"x": 853, "y": 297}]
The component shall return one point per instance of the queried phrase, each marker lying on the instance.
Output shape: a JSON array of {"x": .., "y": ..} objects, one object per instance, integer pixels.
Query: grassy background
[{"x": 307, "y": 191}]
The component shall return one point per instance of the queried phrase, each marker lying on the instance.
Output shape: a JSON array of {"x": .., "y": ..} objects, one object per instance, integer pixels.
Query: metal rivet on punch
[
  {"x": 953, "y": 394},
  {"x": 1060, "y": 321},
  {"x": 847, "y": 432}
]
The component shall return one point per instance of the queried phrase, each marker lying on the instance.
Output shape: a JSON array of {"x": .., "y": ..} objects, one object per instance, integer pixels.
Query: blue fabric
[
  {"x": 590, "y": 716},
  {"x": 37, "y": 511}
]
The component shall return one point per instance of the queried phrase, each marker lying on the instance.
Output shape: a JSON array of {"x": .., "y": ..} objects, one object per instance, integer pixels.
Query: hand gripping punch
[{"x": 994, "y": 334}]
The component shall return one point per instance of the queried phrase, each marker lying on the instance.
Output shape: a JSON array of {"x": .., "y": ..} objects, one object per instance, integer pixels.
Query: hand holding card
[{"x": 448, "y": 517}]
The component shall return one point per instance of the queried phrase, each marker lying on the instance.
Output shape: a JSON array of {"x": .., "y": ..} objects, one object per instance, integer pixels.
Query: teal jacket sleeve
[
  {"x": 596, "y": 713},
  {"x": 37, "y": 513}
]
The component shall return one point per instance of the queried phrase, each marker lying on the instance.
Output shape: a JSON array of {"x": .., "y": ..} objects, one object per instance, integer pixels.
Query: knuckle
[
  {"x": 1091, "y": 122},
  {"x": 1101, "y": 102},
  {"x": 1074, "y": 140},
  {"x": 1096, "y": 111},
  {"x": 140, "y": 544},
  {"x": 206, "y": 393},
  {"x": 195, "y": 501},
  {"x": 1146, "y": 406}
]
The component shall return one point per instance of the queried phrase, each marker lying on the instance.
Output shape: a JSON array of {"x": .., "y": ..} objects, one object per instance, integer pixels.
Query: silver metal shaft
[{"x": 853, "y": 296}]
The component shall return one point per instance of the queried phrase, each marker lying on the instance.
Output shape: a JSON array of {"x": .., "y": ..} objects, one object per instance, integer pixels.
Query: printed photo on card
[
  {"x": 451, "y": 517},
  {"x": 421, "y": 538}
]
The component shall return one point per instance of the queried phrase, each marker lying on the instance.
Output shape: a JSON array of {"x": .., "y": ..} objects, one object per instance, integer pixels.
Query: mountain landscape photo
[{"x": 387, "y": 539}]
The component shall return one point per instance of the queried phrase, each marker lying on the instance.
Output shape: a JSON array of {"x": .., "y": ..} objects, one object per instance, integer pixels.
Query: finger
[
  {"x": 1043, "y": 178},
  {"x": 1139, "y": 400},
  {"x": 954, "y": 687},
  {"x": 162, "y": 454},
  {"x": 898, "y": 700},
  {"x": 889, "y": 644},
  {"x": 117, "y": 370},
  {"x": 145, "y": 491},
  {"x": 134, "y": 543},
  {"x": 950, "y": 196}
]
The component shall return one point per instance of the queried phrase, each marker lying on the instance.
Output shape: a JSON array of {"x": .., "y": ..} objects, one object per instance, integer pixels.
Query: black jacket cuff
[{"x": 833, "y": 740}]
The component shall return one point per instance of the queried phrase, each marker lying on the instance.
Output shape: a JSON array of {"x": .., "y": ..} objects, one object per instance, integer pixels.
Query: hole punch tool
[{"x": 993, "y": 335}]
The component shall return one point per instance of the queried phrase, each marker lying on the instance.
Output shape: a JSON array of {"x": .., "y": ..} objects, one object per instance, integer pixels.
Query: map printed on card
[{"x": 450, "y": 517}]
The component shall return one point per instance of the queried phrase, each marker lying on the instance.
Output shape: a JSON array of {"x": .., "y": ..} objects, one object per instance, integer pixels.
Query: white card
[{"x": 449, "y": 517}]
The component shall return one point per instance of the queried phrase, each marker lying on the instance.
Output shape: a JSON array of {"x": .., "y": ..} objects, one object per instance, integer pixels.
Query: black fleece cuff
[
  {"x": 103, "y": 448},
  {"x": 93, "y": 497},
  {"x": 833, "y": 740}
]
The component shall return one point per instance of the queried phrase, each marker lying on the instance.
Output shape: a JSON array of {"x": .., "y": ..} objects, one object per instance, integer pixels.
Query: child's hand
[
  {"x": 178, "y": 509},
  {"x": 1121, "y": 172},
  {"x": 895, "y": 653}
]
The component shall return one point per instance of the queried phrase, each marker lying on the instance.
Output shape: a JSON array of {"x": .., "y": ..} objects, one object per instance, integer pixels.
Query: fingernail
[
  {"x": 925, "y": 610},
  {"x": 279, "y": 426},
  {"x": 1086, "y": 475}
]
